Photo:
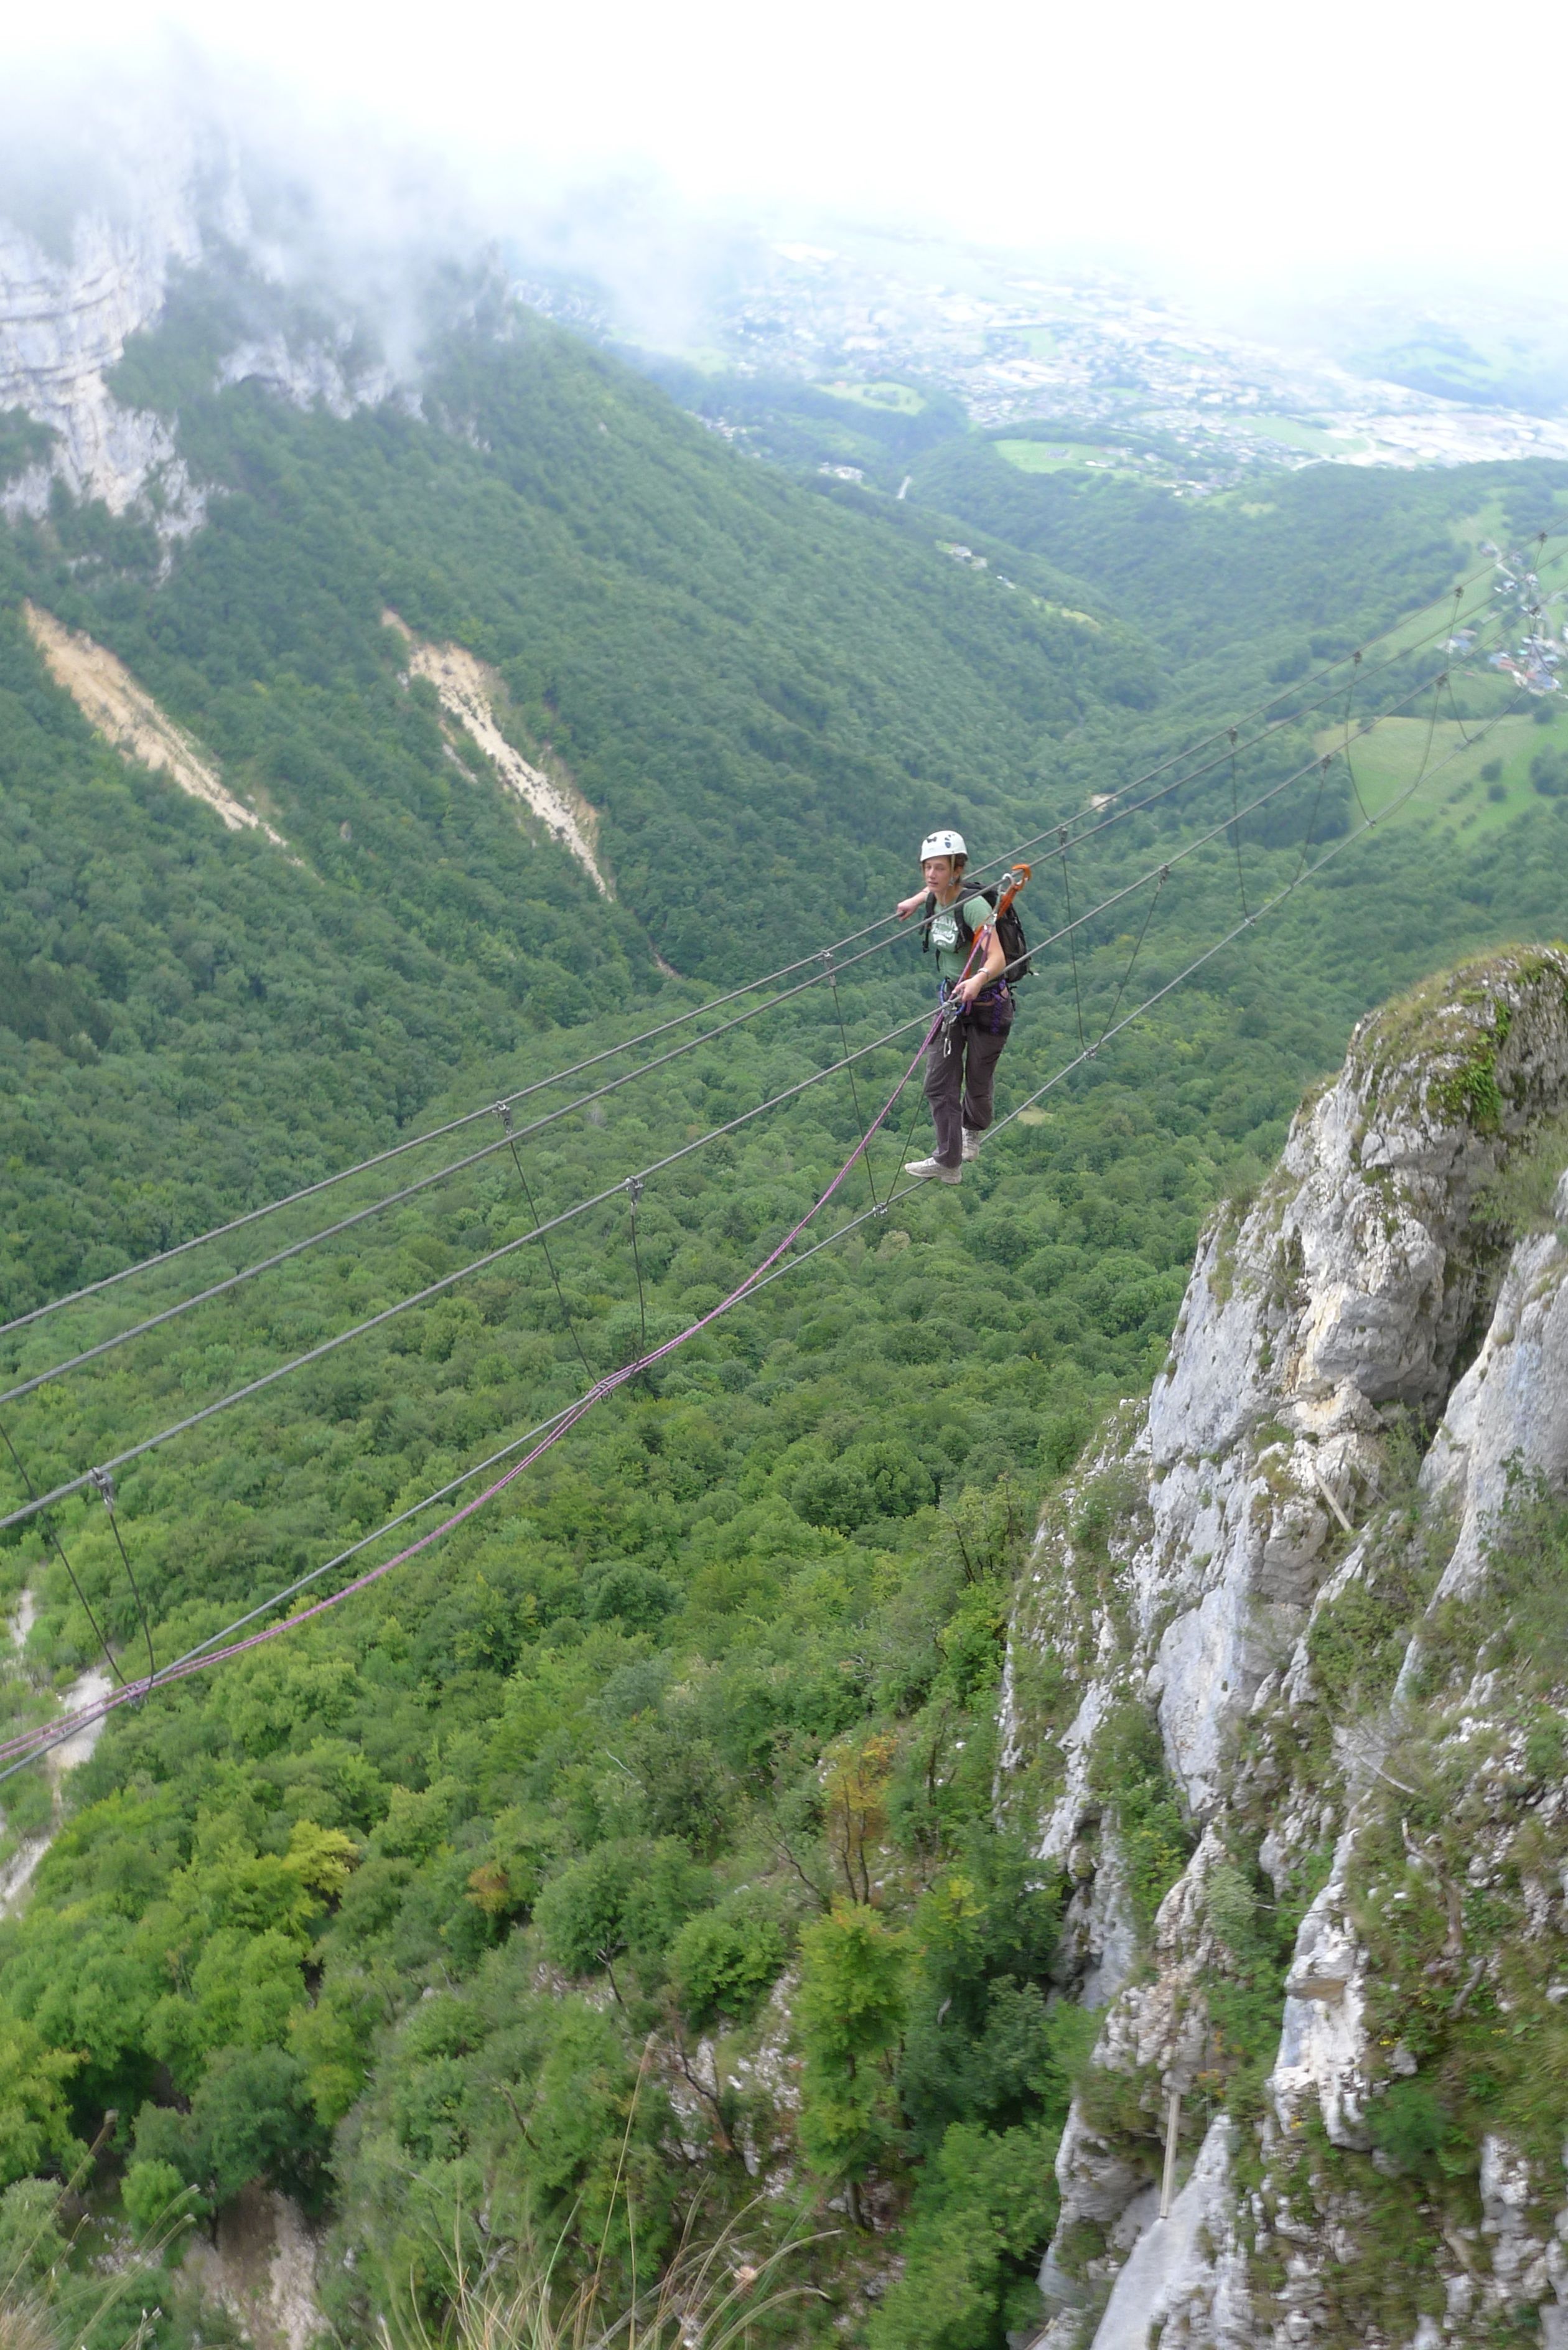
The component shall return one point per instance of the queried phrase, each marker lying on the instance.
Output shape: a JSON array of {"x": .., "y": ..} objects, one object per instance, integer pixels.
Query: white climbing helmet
[{"x": 942, "y": 844}]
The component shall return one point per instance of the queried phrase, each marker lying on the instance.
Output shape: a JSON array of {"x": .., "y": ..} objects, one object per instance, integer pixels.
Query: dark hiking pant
[{"x": 961, "y": 1077}]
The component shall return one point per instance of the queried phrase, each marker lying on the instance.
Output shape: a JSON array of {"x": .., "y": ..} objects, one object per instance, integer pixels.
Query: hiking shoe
[
  {"x": 970, "y": 1144},
  {"x": 926, "y": 1170}
]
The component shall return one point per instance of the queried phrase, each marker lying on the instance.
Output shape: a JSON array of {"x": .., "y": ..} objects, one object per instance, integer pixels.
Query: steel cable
[
  {"x": 51, "y": 1537},
  {"x": 563, "y": 1421},
  {"x": 25, "y": 1748},
  {"x": 634, "y": 1193},
  {"x": 1236, "y": 822},
  {"x": 451, "y": 1126},
  {"x": 1345, "y": 752},
  {"x": 480, "y": 1264},
  {"x": 1072, "y": 938},
  {"x": 1164, "y": 876},
  {"x": 105, "y": 1485},
  {"x": 504, "y": 1111},
  {"x": 853, "y": 1088}
]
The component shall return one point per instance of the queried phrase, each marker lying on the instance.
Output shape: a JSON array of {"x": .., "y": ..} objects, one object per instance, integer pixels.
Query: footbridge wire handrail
[
  {"x": 353, "y": 1331},
  {"x": 21, "y": 1388},
  {"x": 828, "y": 972},
  {"x": 29, "y": 1743},
  {"x": 17, "y": 1753},
  {"x": 1126, "y": 808}
]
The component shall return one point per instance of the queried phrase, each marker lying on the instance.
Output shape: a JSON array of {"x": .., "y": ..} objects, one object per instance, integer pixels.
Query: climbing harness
[{"x": 1001, "y": 900}]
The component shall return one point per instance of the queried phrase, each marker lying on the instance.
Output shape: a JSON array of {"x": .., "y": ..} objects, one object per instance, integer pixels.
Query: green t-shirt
[{"x": 947, "y": 940}]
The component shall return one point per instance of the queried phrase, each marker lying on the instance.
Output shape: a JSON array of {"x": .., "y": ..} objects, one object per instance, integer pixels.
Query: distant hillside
[
  {"x": 764, "y": 698},
  {"x": 1317, "y": 559},
  {"x": 627, "y": 1862}
]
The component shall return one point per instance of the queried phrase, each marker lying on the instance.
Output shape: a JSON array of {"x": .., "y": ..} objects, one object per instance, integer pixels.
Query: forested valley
[{"x": 622, "y": 1874}]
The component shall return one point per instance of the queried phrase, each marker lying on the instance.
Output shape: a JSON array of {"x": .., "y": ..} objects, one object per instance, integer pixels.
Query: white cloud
[{"x": 1237, "y": 140}]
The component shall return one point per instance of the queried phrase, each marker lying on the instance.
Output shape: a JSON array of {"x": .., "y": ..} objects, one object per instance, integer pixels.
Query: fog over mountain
[
  {"x": 613, "y": 1704},
  {"x": 366, "y": 239}
]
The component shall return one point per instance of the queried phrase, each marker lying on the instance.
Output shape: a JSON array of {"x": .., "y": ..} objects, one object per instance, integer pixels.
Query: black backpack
[{"x": 1009, "y": 930}]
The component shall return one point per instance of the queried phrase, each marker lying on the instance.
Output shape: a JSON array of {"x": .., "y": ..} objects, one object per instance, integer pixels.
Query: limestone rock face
[
  {"x": 1512, "y": 1405},
  {"x": 1322, "y": 2060},
  {"x": 315, "y": 374},
  {"x": 1339, "y": 1297},
  {"x": 67, "y": 315},
  {"x": 1224, "y": 1550},
  {"x": 63, "y": 321},
  {"x": 1346, "y": 1290},
  {"x": 1185, "y": 2274}
]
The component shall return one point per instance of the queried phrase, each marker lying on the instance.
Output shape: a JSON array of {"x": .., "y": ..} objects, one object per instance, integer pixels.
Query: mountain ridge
[
  {"x": 1266, "y": 1502},
  {"x": 535, "y": 1884}
]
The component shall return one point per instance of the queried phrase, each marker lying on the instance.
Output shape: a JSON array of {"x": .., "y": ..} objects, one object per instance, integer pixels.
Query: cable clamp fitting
[
  {"x": 102, "y": 1484},
  {"x": 634, "y": 1190},
  {"x": 503, "y": 1110}
]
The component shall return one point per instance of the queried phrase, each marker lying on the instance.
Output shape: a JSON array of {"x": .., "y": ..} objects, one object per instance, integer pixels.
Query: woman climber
[{"x": 962, "y": 1058}]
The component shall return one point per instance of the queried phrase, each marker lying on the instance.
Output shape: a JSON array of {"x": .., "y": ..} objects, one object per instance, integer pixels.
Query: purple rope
[{"x": 54, "y": 1732}]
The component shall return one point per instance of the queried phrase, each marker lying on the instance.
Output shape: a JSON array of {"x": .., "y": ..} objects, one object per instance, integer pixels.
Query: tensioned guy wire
[
  {"x": 1301, "y": 696},
  {"x": 1072, "y": 935},
  {"x": 52, "y": 1538},
  {"x": 437, "y": 1288},
  {"x": 105, "y": 1485},
  {"x": 504, "y": 1112},
  {"x": 1239, "y": 929},
  {"x": 568, "y": 1418},
  {"x": 392, "y": 1199},
  {"x": 1235, "y": 821},
  {"x": 231, "y": 1281},
  {"x": 491, "y": 1256},
  {"x": 219, "y": 1645},
  {"x": 633, "y": 1194},
  {"x": 853, "y": 1088}
]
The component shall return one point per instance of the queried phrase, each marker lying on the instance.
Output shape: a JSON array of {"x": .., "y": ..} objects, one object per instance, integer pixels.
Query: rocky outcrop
[
  {"x": 1252, "y": 1564},
  {"x": 472, "y": 696},
  {"x": 1185, "y": 2282},
  {"x": 1512, "y": 1406},
  {"x": 313, "y": 374},
  {"x": 65, "y": 321},
  {"x": 65, "y": 318},
  {"x": 260, "y": 2268},
  {"x": 125, "y": 715}
]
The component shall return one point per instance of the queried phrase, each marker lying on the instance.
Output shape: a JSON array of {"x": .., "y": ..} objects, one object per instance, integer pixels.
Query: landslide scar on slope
[
  {"x": 471, "y": 693},
  {"x": 131, "y": 722}
]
